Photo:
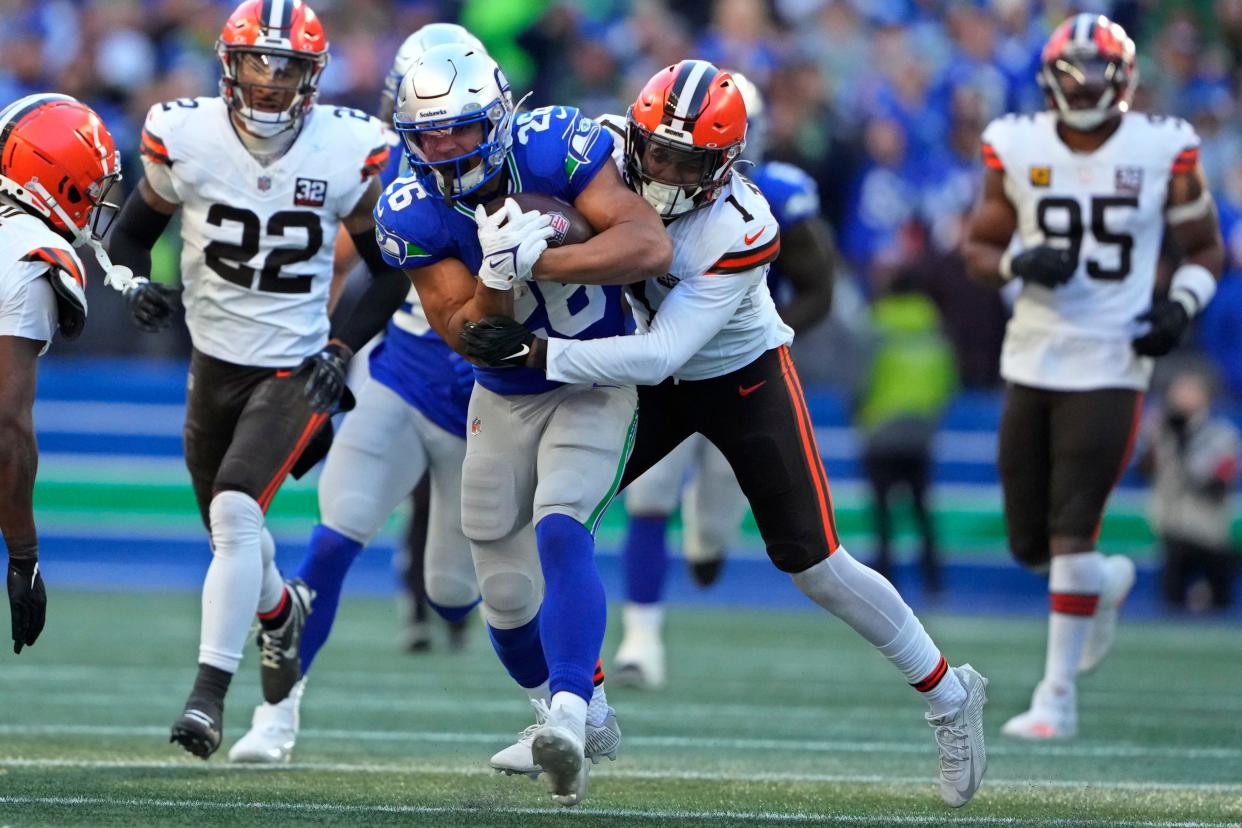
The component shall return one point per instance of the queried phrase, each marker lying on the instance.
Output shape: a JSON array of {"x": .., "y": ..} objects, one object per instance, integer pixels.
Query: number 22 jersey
[
  {"x": 256, "y": 261},
  {"x": 1106, "y": 207}
]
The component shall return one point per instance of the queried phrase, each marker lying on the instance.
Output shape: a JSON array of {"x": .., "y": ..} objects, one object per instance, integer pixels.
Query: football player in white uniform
[
  {"x": 58, "y": 141},
  {"x": 712, "y": 357},
  {"x": 1075, "y": 202},
  {"x": 263, "y": 177},
  {"x": 712, "y": 504}
]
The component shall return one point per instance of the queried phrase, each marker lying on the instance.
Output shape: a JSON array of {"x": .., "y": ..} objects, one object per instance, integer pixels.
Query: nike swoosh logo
[
  {"x": 751, "y": 239},
  {"x": 525, "y": 349},
  {"x": 496, "y": 264},
  {"x": 746, "y": 391}
]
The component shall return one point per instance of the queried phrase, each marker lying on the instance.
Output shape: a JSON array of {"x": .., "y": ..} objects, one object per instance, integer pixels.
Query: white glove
[{"x": 512, "y": 242}]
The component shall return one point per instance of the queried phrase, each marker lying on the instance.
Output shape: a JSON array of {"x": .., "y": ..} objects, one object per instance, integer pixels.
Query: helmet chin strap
[{"x": 118, "y": 277}]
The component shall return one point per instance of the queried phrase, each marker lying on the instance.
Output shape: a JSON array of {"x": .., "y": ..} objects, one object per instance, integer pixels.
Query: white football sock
[
  {"x": 273, "y": 585},
  {"x": 231, "y": 588},
  {"x": 539, "y": 693},
  {"x": 597, "y": 710},
  {"x": 643, "y": 624},
  {"x": 574, "y": 708},
  {"x": 864, "y": 599},
  {"x": 1074, "y": 584}
]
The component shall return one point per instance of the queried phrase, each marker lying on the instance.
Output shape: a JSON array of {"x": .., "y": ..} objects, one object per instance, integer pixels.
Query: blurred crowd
[{"x": 882, "y": 101}]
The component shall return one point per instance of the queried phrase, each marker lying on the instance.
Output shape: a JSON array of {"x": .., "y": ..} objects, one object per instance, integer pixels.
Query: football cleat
[
  {"x": 560, "y": 752},
  {"x": 200, "y": 728},
  {"x": 416, "y": 637},
  {"x": 603, "y": 741},
  {"x": 273, "y": 732},
  {"x": 705, "y": 573},
  {"x": 959, "y": 736},
  {"x": 639, "y": 662},
  {"x": 1119, "y": 578},
  {"x": 280, "y": 666},
  {"x": 1053, "y": 715}
]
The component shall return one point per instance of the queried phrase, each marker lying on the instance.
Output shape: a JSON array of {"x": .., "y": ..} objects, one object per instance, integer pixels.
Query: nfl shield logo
[
  {"x": 560, "y": 226},
  {"x": 265, "y": 183},
  {"x": 476, "y": 426},
  {"x": 1129, "y": 180}
]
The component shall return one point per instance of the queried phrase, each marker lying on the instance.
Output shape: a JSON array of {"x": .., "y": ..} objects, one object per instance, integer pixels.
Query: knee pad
[
  {"x": 236, "y": 523},
  {"x": 352, "y": 514},
  {"x": 510, "y": 598},
  {"x": 489, "y": 503},
  {"x": 447, "y": 589},
  {"x": 566, "y": 492}
]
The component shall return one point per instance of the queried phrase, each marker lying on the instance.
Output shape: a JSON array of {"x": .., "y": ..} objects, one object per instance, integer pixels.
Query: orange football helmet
[
  {"x": 1089, "y": 71},
  {"x": 683, "y": 134},
  {"x": 58, "y": 161},
  {"x": 273, "y": 53}
]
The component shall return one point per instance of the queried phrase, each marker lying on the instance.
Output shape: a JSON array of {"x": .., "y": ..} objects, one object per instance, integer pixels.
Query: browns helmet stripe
[
  {"x": 690, "y": 90},
  {"x": 277, "y": 15},
  {"x": 13, "y": 114},
  {"x": 1084, "y": 29}
]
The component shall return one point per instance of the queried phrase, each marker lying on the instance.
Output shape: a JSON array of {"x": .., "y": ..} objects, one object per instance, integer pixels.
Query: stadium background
[{"x": 882, "y": 101}]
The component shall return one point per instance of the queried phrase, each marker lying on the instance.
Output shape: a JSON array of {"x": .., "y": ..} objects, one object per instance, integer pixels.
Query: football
[{"x": 570, "y": 225}]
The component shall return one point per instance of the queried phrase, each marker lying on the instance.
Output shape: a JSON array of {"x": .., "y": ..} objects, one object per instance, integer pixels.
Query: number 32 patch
[{"x": 310, "y": 192}]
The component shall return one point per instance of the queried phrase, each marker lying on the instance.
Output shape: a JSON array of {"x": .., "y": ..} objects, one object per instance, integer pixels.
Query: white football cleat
[
  {"x": 273, "y": 731},
  {"x": 1053, "y": 715},
  {"x": 639, "y": 662},
  {"x": 560, "y": 752},
  {"x": 603, "y": 741},
  {"x": 959, "y": 736},
  {"x": 1119, "y": 577}
]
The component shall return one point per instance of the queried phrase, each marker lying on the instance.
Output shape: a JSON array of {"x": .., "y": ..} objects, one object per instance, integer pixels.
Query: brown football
[{"x": 570, "y": 225}]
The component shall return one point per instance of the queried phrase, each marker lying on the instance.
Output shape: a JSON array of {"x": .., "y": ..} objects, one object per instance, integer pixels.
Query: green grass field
[{"x": 770, "y": 718}]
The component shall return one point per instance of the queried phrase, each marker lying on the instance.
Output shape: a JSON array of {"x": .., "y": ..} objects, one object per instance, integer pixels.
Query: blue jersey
[
  {"x": 413, "y": 360},
  {"x": 793, "y": 197},
  {"x": 556, "y": 151}
]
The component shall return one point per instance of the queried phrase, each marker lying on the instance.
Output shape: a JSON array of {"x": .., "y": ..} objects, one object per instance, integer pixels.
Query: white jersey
[
  {"x": 711, "y": 314},
  {"x": 256, "y": 261},
  {"x": 1108, "y": 205},
  {"x": 28, "y": 249}
]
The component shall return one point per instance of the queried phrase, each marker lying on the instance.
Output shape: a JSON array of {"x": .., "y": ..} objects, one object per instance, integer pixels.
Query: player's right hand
[
  {"x": 326, "y": 382},
  {"x": 497, "y": 341},
  {"x": 27, "y": 601},
  {"x": 512, "y": 241},
  {"x": 1044, "y": 265},
  {"x": 150, "y": 304}
]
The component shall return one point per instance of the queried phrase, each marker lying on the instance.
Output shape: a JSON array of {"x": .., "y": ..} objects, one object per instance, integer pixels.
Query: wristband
[{"x": 1193, "y": 286}]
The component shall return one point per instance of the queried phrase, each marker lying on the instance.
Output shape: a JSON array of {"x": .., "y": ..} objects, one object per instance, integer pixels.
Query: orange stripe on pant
[
  {"x": 810, "y": 449},
  {"x": 270, "y": 490},
  {"x": 1135, "y": 420}
]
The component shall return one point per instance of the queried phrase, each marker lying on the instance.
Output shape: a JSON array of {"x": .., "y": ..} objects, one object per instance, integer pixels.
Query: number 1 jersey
[
  {"x": 1107, "y": 208},
  {"x": 256, "y": 261}
]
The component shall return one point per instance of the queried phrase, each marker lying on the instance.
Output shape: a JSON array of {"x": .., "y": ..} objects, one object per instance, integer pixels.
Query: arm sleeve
[
  {"x": 382, "y": 298},
  {"x": 159, "y": 176},
  {"x": 694, "y": 312}
]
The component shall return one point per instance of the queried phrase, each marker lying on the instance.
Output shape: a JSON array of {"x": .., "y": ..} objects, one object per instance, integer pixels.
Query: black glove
[
  {"x": 27, "y": 601},
  {"x": 150, "y": 305},
  {"x": 326, "y": 382},
  {"x": 1044, "y": 265},
  {"x": 497, "y": 341},
  {"x": 1169, "y": 320}
]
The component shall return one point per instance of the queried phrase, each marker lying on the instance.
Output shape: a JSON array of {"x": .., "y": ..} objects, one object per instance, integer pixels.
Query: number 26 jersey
[
  {"x": 1107, "y": 208},
  {"x": 256, "y": 260}
]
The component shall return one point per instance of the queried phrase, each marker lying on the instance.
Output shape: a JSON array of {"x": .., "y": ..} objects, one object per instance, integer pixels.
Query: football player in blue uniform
[
  {"x": 712, "y": 503},
  {"x": 537, "y": 452},
  {"x": 410, "y": 420}
]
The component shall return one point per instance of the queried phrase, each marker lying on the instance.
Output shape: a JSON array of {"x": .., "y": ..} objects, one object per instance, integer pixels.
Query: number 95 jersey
[
  {"x": 1107, "y": 208},
  {"x": 256, "y": 260}
]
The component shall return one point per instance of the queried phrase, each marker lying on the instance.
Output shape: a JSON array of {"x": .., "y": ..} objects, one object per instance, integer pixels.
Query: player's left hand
[
  {"x": 27, "y": 601},
  {"x": 1168, "y": 321},
  {"x": 326, "y": 382},
  {"x": 512, "y": 242},
  {"x": 497, "y": 341}
]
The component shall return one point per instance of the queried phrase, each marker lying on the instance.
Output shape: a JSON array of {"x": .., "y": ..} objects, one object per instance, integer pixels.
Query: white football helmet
[
  {"x": 452, "y": 87},
  {"x": 427, "y": 37},
  {"x": 756, "y": 118}
]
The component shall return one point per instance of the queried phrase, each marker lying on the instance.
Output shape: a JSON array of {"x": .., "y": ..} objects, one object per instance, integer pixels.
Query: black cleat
[
  {"x": 280, "y": 665},
  {"x": 199, "y": 730},
  {"x": 706, "y": 573}
]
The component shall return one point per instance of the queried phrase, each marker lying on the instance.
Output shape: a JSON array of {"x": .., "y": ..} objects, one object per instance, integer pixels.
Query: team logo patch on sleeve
[
  {"x": 398, "y": 249},
  {"x": 310, "y": 192},
  {"x": 1041, "y": 176},
  {"x": 1129, "y": 180}
]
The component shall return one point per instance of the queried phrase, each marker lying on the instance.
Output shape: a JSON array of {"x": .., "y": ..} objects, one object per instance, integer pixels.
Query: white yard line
[
  {"x": 607, "y": 770},
  {"x": 633, "y": 813},
  {"x": 1081, "y": 751}
]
